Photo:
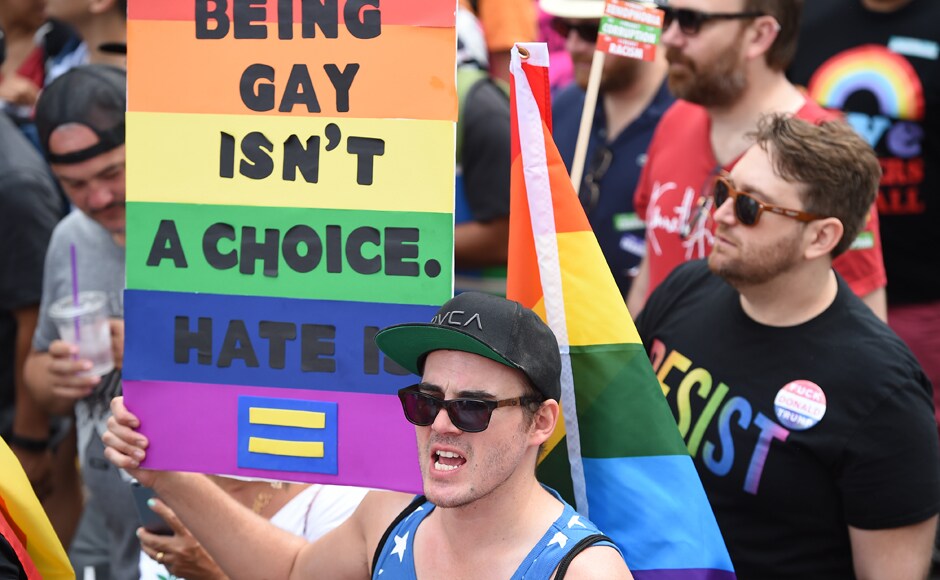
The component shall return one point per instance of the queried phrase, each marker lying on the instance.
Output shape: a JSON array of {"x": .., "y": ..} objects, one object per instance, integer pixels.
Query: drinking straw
[{"x": 75, "y": 290}]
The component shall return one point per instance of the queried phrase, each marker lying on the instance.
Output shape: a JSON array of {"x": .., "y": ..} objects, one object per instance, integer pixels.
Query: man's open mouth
[{"x": 448, "y": 460}]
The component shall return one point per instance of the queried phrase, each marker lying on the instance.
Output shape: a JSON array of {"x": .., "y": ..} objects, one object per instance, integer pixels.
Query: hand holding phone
[{"x": 149, "y": 519}]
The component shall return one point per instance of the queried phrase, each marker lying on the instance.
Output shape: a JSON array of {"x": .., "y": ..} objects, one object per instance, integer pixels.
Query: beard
[
  {"x": 619, "y": 73},
  {"x": 756, "y": 266},
  {"x": 716, "y": 84}
]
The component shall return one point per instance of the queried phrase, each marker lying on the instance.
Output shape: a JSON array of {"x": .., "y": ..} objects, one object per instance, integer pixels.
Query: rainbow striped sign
[{"x": 290, "y": 191}]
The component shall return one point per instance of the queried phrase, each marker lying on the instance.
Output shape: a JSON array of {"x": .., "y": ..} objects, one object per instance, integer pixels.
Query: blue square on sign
[{"x": 287, "y": 435}]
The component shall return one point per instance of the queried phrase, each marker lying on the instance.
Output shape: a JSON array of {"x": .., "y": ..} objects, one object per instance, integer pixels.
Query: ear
[
  {"x": 100, "y": 6},
  {"x": 543, "y": 424},
  {"x": 762, "y": 34},
  {"x": 823, "y": 235}
]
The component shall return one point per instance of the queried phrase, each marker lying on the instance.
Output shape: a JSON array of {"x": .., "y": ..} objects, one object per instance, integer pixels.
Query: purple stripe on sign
[
  {"x": 684, "y": 574},
  {"x": 194, "y": 427}
]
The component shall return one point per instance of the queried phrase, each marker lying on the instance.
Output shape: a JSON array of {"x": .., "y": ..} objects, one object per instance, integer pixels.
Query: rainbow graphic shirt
[
  {"x": 882, "y": 70},
  {"x": 873, "y": 74},
  {"x": 796, "y": 432}
]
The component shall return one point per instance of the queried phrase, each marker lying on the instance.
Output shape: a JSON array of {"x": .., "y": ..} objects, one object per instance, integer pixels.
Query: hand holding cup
[{"x": 86, "y": 330}]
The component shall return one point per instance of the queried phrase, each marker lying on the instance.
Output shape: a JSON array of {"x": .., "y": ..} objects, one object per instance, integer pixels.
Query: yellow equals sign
[{"x": 286, "y": 418}]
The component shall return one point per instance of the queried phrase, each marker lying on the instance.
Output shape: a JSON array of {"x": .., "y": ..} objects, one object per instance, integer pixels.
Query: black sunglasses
[
  {"x": 747, "y": 209},
  {"x": 587, "y": 31},
  {"x": 469, "y": 415},
  {"x": 691, "y": 21},
  {"x": 590, "y": 192}
]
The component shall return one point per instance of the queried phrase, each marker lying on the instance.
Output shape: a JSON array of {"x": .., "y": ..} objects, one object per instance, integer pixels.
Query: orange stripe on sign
[
  {"x": 406, "y": 72},
  {"x": 438, "y": 13}
]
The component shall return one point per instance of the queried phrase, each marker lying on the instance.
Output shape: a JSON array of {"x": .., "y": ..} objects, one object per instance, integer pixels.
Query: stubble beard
[
  {"x": 498, "y": 460},
  {"x": 757, "y": 267}
]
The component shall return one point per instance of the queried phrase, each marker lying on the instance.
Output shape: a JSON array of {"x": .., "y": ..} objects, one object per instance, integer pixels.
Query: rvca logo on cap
[{"x": 458, "y": 318}]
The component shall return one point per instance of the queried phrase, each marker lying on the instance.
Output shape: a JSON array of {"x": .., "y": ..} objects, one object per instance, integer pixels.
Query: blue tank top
[{"x": 396, "y": 557}]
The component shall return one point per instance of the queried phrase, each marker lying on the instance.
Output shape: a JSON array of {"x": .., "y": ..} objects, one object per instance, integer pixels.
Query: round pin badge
[{"x": 800, "y": 405}]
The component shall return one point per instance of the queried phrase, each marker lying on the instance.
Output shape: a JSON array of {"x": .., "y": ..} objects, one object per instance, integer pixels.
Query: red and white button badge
[{"x": 800, "y": 405}]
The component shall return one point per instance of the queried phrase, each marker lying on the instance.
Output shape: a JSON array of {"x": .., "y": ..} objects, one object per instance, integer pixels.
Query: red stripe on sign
[{"x": 434, "y": 13}]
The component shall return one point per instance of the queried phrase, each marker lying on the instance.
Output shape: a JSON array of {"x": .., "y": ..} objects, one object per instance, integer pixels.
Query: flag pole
[{"x": 587, "y": 119}]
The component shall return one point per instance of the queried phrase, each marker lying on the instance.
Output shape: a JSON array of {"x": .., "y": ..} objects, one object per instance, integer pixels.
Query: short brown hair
[
  {"x": 787, "y": 13},
  {"x": 838, "y": 170}
]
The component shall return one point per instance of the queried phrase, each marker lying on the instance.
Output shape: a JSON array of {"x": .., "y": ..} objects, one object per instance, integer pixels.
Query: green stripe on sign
[
  {"x": 621, "y": 408},
  {"x": 326, "y": 254},
  {"x": 630, "y": 30}
]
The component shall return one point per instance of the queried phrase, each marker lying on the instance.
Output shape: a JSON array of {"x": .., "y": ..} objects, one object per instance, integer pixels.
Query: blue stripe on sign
[
  {"x": 328, "y": 435},
  {"x": 324, "y": 345},
  {"x": 657, "y": 527}
]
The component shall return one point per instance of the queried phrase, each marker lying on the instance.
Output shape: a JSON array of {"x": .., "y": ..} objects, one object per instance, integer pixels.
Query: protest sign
[
  {"x": 290, "y": 191},
  {"x": 630, "y": 29}
]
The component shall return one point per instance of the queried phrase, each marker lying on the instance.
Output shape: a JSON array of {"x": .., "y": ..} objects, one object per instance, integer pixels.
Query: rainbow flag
[
  {"x": 24, "y": 525},
  {"x": 617, "y": 456}
]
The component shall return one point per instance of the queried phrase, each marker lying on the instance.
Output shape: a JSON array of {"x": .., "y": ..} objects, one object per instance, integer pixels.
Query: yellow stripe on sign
[
  {"x": 286, "y": 448},
  {"x": 287, "y": 418},
  {"x": 178, "y": 158}
]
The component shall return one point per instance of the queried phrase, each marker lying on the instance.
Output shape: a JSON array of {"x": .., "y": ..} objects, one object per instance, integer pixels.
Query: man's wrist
[{"x": 27, "y": 443}]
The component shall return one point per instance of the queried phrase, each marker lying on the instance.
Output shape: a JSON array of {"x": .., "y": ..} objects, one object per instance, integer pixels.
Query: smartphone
[{"x": 149, "y": 519}]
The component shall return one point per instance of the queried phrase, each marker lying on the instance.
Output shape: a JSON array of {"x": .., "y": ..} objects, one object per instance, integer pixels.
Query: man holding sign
[
  {"x": 632, "y": 98},
  {"x": 493, "y": 368}
]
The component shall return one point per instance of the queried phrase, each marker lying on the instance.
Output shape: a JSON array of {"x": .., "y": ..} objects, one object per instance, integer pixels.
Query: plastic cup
[{"x": 86, "y": 324}]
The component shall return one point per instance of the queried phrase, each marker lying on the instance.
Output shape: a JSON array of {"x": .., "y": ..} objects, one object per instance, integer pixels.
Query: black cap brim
[{"x": 409, "y": 344}]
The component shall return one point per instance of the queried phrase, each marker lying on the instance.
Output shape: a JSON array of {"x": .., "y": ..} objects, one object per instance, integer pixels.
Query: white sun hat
[{"x": 592, "y": 9}]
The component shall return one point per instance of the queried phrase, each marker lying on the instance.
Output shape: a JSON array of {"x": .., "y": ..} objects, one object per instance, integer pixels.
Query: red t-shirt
[{"x": 679, "y": 169}]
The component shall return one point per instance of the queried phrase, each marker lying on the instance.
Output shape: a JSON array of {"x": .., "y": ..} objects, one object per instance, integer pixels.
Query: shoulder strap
[
  {"x": 577, "y": 549},
  {"x": 415, "y": 503}
]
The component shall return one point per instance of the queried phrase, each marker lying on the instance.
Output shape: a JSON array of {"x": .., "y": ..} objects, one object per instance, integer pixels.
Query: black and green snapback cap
[{"x": 486, "y": 325}]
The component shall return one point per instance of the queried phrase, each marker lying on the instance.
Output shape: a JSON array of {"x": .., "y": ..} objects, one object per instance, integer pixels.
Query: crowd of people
[{"x": 765, "y": 193}]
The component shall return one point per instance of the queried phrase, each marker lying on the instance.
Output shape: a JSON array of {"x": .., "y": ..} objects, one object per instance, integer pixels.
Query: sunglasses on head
[
  {"x": 691, "y": 21},
  {"x": 747, "y": 209},
  {"x": 586, "y": 30},
  {"x": 468, "y": 415}
]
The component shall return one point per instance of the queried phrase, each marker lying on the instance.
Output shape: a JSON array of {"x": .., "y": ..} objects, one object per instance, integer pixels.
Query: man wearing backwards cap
[
  {"x": 493, "y": 368},
  {"x": 80, "y": 120}
]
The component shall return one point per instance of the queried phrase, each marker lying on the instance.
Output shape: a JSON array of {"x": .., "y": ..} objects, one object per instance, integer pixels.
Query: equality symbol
[{"x": 287, "y": 435}]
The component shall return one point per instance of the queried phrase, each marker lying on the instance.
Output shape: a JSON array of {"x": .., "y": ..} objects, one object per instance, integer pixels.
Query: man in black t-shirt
[
  {"x": 30, "y": 207},
  {"x": 481, "y": 211},
  {"x": 809, "y": 421}
]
